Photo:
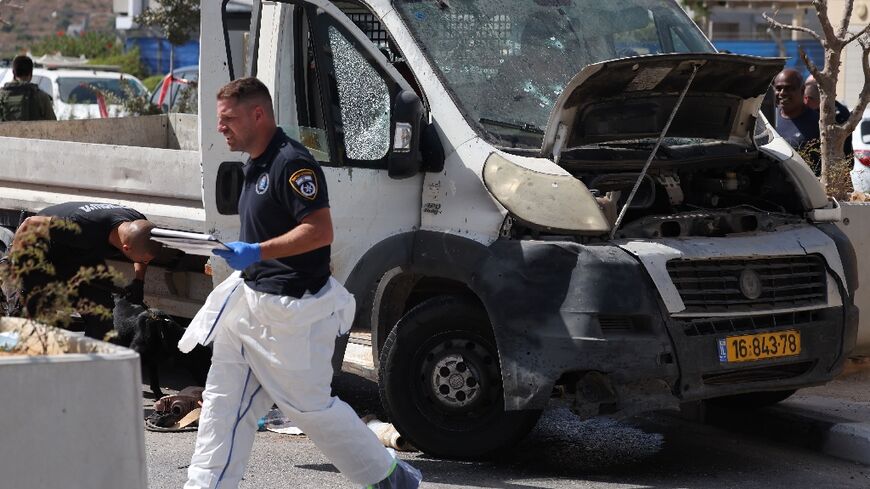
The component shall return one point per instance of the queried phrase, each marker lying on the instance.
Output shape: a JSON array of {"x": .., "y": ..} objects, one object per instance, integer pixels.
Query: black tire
[
  {"x": 753, "y": 400},
  {"x": 447, "y": 340}
]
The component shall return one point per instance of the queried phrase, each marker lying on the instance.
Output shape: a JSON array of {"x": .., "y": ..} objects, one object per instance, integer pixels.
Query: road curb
[{"x": 792, "y": 424}]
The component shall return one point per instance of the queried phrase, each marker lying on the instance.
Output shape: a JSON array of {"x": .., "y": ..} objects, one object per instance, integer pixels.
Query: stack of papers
[{"x": 190, "y": 243}]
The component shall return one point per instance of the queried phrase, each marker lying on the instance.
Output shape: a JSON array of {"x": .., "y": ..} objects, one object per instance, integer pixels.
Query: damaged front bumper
[{"x": 606, "y": 328}]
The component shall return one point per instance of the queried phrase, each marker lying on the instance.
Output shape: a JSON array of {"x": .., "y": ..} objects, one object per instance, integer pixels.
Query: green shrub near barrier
[
  {"x": 99, "y": 48},
  {"x": 152, "y": 81}
]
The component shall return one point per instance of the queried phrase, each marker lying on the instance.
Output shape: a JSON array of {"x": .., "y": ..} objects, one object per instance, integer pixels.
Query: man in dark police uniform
[
  {"x": 275, "y": 322},
  {"x": 101, "y": 231}
]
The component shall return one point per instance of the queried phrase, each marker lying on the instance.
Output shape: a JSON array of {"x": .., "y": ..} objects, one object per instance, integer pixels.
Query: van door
[
  {"x": 333, "y": 89},
  {"x": 218, "y": 61}
]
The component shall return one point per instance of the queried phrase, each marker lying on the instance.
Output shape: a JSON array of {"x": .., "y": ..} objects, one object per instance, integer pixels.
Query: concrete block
[{"x": 72, "y": 420}]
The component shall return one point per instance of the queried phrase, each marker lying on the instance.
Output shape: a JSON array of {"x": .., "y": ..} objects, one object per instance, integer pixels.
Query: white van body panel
[{"x": 456, "y": 201}]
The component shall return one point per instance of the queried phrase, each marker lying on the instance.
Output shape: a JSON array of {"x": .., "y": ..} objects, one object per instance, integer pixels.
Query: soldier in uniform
[{"x": 21, "y": 100}]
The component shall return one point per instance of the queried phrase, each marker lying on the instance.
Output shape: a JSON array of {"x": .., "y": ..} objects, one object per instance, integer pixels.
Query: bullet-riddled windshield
[{"x": 507, "y": 61}]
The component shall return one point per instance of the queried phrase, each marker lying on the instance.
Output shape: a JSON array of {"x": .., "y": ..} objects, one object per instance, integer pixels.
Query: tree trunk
[{"x": 832, "y": 137}]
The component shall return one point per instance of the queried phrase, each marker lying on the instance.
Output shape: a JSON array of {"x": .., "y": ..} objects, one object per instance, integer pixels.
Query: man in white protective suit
[{"x": 274, "y": 322}]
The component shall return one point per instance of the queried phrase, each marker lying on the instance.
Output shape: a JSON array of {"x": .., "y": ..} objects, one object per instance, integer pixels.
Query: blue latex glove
[{"x": 240, "y": 255}]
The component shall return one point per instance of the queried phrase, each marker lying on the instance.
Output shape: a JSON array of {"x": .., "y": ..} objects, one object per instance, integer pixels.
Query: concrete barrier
[
  {"x": 72, "y": 419},
  {"x": 856, "y": 225}
]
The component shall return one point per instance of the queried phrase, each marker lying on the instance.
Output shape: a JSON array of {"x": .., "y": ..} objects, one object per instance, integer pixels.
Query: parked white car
[
  {"x": 861, "y": 145},
  {"x": 73, "y": 90}
]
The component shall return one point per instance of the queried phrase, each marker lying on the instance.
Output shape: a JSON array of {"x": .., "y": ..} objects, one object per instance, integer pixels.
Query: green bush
[
  {"x": 89, "y": 44},
  {"x": 129, "y": 62},
  {"x": 152, "y": 81},
  {"x": 100, "y": 48},
  {"x": 54, "y": 302}
]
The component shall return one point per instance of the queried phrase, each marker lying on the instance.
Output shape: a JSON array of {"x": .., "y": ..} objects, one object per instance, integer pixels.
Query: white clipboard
[{"x": 190, "y": 243}]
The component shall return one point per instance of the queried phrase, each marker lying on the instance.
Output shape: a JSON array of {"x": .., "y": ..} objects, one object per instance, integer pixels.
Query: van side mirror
[
  {"x": 228, "y": 187},
  {"x": 405, "y": 159}
]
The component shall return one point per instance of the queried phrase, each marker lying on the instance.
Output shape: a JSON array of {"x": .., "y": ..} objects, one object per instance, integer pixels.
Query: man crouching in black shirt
[{"x": 103, "y": 231}]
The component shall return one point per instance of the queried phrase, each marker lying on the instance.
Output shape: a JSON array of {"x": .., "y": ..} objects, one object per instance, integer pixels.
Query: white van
[
  {"x": 478, "y": 153},
  {"x": 72, "y": 90}
]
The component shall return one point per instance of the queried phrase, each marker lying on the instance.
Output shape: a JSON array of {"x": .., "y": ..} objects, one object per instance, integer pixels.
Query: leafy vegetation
[
  {"x": 178, "y": 19},
  {"x": 89, "y": 45},
  {"x": 53, "y": 303},
  {"x": 98, "y": 47},
  {"x": 152, "y": 81}
]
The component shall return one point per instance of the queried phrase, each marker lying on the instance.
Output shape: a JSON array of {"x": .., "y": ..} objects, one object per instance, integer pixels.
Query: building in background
[
  {"x": 738, "y": 26},
  {"x": 851, "y": 70}
]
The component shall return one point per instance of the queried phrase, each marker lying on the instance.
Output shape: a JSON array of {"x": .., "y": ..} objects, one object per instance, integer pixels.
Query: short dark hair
[
  {"x": 22, "y": 66},
  {"x": 245, "y": 90}
]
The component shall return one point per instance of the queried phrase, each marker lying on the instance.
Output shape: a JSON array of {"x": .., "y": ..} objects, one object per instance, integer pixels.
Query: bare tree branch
[
  {"x": 847, "y": 17},
  {"x": 830, "y": 37},
  {"x": 814, "y": 70},
  {"x": 863, "y": 31},
  {"x": 864, "y": 97},
  {"x": 780, "y": 25}
]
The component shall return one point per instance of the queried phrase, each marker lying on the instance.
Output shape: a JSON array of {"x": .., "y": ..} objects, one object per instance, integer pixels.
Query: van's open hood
[{"x": 631, "y": 98}]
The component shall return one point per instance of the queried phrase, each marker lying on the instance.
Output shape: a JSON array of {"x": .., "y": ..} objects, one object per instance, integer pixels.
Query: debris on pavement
[
  {"x": 387, "y": 434},
  {"x": 275, "y": 421},
  {"x": 178, "y": 412}
]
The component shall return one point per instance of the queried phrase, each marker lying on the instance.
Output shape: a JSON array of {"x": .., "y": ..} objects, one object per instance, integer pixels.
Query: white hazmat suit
[{"x": 273, "y": 349}]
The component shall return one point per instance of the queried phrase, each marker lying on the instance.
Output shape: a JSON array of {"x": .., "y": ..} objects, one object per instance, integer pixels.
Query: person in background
[
  {"x": 104, "y": 230},
  {"x": 21, "y": 100},
  {"x": 795, "y": 122}
]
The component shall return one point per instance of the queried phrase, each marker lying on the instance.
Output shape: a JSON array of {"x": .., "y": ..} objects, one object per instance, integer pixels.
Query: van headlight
[{"x": 544, "y": 201}]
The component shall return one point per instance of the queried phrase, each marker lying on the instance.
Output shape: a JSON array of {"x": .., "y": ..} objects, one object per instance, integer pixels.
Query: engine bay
[{"x": 712, "y": 194}]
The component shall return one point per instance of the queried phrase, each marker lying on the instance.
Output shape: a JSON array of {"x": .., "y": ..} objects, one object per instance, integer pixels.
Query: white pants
[{"x": 266, "y": 351}]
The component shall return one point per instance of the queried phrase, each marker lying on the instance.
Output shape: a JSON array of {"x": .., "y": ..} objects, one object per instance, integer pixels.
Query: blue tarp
[
  {"x": 769, "y": 49},
  {"x": 154, "y": 53}
]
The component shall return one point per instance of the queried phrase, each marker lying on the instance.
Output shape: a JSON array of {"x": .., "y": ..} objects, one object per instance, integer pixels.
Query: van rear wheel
[{"x": 440, "y": 382}]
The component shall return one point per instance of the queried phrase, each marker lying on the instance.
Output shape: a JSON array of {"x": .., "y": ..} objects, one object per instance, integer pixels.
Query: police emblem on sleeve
[
  {"x": 262, "y": 184},
  {"x": 304, "y": 182}
]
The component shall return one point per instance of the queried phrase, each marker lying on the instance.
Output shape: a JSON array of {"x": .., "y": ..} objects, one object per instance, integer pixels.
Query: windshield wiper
[{"x": 522, "y": 126}]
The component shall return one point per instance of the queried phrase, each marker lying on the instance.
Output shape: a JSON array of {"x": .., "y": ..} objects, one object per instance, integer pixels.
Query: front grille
[
  {"x": 758, "y": 374},
  {"x": 717, "y": 326},
  {"x": 708, "y": 286}
]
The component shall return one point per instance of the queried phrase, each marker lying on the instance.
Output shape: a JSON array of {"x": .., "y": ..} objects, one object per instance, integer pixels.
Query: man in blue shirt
[
  {"x": 795, "y": 122},
  {"x": 275, "y": 321}
]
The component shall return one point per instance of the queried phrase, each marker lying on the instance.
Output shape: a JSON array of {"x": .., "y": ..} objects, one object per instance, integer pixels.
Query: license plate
[{"x": 760, "y": 346}]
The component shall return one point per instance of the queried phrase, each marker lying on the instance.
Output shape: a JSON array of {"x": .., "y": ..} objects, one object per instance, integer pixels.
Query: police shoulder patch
[{"x": 304, "y": 182}]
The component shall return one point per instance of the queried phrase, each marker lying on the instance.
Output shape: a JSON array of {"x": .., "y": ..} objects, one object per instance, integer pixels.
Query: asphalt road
[{"x": 658, "y": 450}]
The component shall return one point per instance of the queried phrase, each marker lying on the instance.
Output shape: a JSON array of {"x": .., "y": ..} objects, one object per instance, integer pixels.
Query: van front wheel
[{"x": 440, "y": 382}]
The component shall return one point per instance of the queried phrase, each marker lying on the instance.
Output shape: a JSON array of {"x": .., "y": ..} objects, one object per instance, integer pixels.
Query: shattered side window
[{"x": 364, "y": 99}]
